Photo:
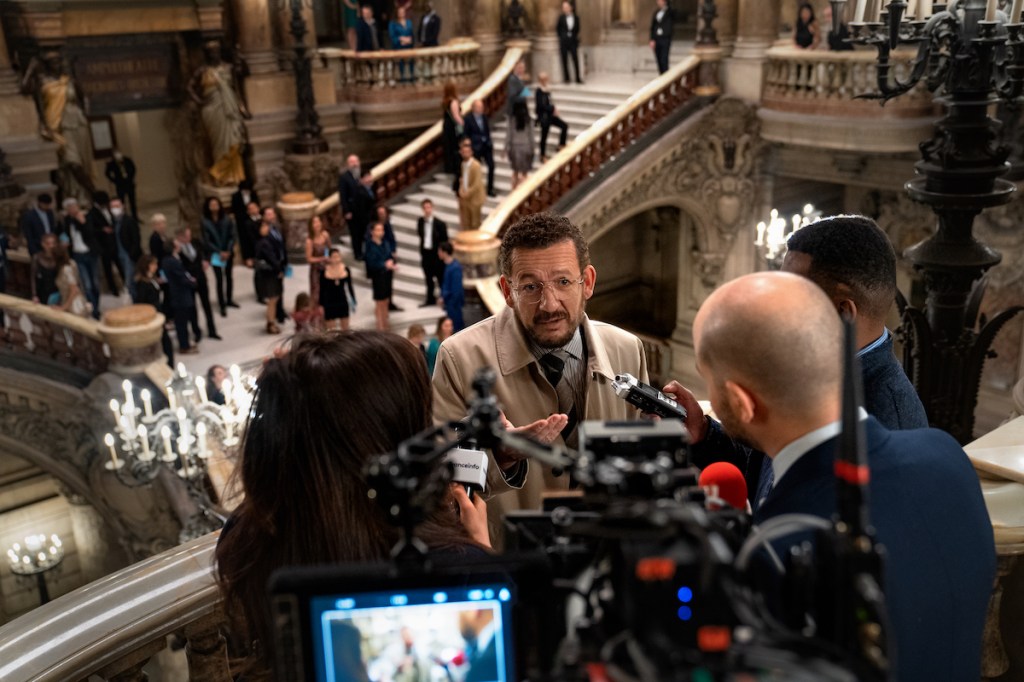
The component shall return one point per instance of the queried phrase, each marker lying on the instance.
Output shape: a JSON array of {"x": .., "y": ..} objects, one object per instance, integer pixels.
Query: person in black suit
[
  {"x": 36, "y": 221},
  {"x": 783, "y": 396},
  {"x": 219, "y": 242},
  {"x": 348, "y": 191},
  {"x": 479, "y": 631},
  {"x": 120, "y": 170},
  {"x": 516, "y": 86},
  {"x": 158, "y": 237},
  {"x": 432, "y": 232},
  {"x": 547, "y": 116},
  {"x": 367, "y": 39},
  {"x": 569, "y": 40},
  {"x": 277, "y": 238},
  {"x": 196, "y": 262},
  {"x": 101, "y": 220},
  {"x": 181, "y": 292},
  {"x": 127, "y": 242},
  {"x": 430, "y": 28},
  {"x": 363, "y": 210},
  {"x": 271, "y": 267},
  {"x": 240, "y": 201},
  {"x": 661, "y": 34},
  {"x": 478, "y": 129},
  {"x": 84, "y": 248}
]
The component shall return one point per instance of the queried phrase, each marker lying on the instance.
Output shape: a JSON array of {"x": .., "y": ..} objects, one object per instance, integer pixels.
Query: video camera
[{"x": 631, "y": 580}]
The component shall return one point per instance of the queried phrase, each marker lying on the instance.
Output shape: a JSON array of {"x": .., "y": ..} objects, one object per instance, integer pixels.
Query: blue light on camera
[
  {"x": 685, "y": 613},
  {"x": 488, "y": 594},
  {"x": 504, "y": 594},
  {"x": 685, "y": 594},
  {"x": 475, "y": 595},
  {"x": 440, "y": 597},
  {"x": 399, "y": 600},
  {"x": 345, "y": 604}
]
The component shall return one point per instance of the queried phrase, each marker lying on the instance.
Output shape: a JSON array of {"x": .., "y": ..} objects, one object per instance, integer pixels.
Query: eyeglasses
[{"x": 531, "y": 292}]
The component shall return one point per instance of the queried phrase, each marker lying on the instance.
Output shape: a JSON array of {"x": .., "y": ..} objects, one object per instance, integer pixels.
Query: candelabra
[
  {"x": 971, "y": 54},
  {"x": 773, "y": 234},
  {"x": 179, "y": 437},
  {"x": 38, "y": 555}
]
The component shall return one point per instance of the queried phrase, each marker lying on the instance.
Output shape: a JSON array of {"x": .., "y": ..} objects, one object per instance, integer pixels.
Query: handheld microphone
[
  {"x": 727, "y": 483},
  {"x": 469, "y": 469},
  {"x": 647, "y": 398}
]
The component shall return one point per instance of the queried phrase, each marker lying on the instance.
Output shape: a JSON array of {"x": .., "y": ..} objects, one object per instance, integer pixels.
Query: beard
[
  {"x": 733, "y": 427},
  {"x": 555, "y": 337}
]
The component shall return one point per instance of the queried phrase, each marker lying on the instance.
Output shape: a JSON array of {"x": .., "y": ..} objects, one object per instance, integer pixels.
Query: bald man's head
[{"x": 775, "y": 334}]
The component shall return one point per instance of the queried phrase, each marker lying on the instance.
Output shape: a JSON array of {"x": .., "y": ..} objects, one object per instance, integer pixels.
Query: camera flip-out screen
[{"x": 373, "y": 623}]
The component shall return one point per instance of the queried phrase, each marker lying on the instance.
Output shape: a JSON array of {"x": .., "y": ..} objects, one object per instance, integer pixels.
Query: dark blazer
[
  {"x": 248, "y": 235},
  {"x": 569, "y": 39},
  {"x": 430, "y": 30},
  {"x": 348, "y": 188},
  {"x": 515, "y": 90},
  {"x": 181, "y": 286},
  {"x": 389, "y": 235},
  {"x": 88, "y": 232},
  {"x": 365, "y": 37},
  {"x": 98, "y": 221},
  {"x": 543, "y": 106},
  {"x": 32, "y": 228},
  {"x": 272, "y": 250},
  {"x": 120, "y": 177},
  {"x": 219, "y": 236},
  {"x": 156, "y": 247},
  {"x": 440, "y": 232},
  {"x": 451, "y": 286},
  {"x": 194, "y": 266},
  {"x": 129, "y": 235},
  {"x": 661, "y": 31},
  {"x": 479, "y": 136},
  {"x": 239, "y": 207},
  {"x": 363, "y": 209},
  {"x": 927, "y": 509}
]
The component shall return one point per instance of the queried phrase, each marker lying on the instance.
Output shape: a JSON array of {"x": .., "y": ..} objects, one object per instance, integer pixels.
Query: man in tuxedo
[
  {"x": 181, "y": 292},
  {"x": 479, "y": 630},
  {"x": 430, "y": 28},
  {"x": 348, "y": 192},
  {"x": 471, "y": 188},
  {"x": 769, "y": 346},
  {"x": 101, "y": 220},
  {"x": 127, "y": 242},
  {"x": 36, "y": 221},
  {"x": 120, "y": 170},
  {"x": 661, "y": 34},
  {"x": 569, "y": 40},
  {"x": 240, "y": 201},
  {"x": 432, "y": 232},
  {"x": 84, "y": 248},
  {"x": 478, "y": 129},
  {"x": 367, "y": 39},
  {"x": 364, "y": 208},
  {"x": 196, "y": 263}
]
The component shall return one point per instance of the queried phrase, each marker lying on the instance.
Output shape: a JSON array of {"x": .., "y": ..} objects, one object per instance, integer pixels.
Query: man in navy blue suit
[
  {"x": 478, "y": 629},
  {"x": 769, "y": 347},
  {"x": 478, "y": 129}
]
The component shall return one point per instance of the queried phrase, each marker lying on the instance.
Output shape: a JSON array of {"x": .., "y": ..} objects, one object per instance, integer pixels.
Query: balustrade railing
[
  {"x": 356, "y": 73},
  {"x": 113, "y": 626},
  {"x": 52, "y": 334},
  {"x": 414, "y": 160},
  {"x": 826, "y": 83}
]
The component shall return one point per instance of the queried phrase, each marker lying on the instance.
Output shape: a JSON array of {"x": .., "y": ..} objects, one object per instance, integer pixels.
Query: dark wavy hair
[
  {"x": 539, "y": 231},
  {"x": 320, "y": 411}
]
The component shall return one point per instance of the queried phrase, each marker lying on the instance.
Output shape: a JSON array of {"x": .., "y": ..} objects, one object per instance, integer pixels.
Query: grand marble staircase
[{"x": 579, "y": 105}]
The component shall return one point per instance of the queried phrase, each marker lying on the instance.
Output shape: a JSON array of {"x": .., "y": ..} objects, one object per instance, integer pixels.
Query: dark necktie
[
  {"x": 554, "y": 368},
  {"x": 764, "y": 485}
]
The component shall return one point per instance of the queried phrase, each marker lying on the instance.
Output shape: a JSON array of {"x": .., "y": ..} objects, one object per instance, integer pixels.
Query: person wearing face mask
[
  {"x": 101, "y": 221},
  {"x": 127, "y": 242},
  {"x": 120, "y": 171}
]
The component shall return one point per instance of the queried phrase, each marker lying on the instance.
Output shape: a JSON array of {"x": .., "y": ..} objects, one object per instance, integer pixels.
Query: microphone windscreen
[
  {"x": 469, "y": 467},
  {"x": 728, "y": 480}
]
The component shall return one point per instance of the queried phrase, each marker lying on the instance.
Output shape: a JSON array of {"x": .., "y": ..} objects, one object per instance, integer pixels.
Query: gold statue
[{"x": 215, "y": 91}]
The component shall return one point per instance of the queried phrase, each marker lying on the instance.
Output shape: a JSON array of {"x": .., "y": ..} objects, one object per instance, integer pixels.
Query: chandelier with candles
[
  {"x": 180, "y": 437},
  {"x": 773, "y": 234}
]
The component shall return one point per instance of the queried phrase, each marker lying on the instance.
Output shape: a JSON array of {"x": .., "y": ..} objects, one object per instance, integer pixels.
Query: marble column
[
  {"x": 757, "y": 30},
  {"x": 486, "y": 23},
  {"x": 725, "y": 24},
  {"x": 545, "y": 56},
  {"x": 255, "y": 37}
]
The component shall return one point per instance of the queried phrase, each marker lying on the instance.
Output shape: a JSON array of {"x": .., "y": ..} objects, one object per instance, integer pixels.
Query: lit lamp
[
  {"x": 35, "y": 557},
  {"x": 772, "y": 235}
]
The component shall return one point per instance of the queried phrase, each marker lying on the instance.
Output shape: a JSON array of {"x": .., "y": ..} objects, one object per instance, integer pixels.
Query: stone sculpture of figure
[
  {"x": 515, "y": 17},
  {"x": 223, "y": 112},
  {"x": 62, "y": 121}
]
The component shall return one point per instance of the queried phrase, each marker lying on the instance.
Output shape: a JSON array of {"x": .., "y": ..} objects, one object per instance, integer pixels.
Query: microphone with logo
[
  {"x": 724, "y": 484},
  {"x": 469, "y": 469}
]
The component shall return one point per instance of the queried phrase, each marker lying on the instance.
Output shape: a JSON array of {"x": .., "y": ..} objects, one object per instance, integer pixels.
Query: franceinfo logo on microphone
[{"x": 469, "y": 468}]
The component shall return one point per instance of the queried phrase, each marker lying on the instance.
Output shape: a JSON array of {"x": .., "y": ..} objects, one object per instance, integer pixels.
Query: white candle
[
  {"x": 129, "y": 398},
  {"x": 761, "y": 227},
  {"x": 182, "y": 372},
  {"x": 990, "y": 10},
  {"x": 32, "y": 543},
  {"x": 201, "y": 385},
  {"x": 165, "y": 433},
  {"x": 858, "y": 13},
  {"x": 201, "y": 436},
  {"x": 183, "y": 451},
  {"x": 147, "y": 403},
  {"x": 144, "y": 438},
  {"x": 182, "y": 423},
  {"x": 1015, "y": 11},
  {"x": 236, "y": 374},
  {"x": 171, "y": 402},
  {"x": 116, "y": 409},
  {"x": 109, "y": 440},
  {"x": 225, "y": 387}
]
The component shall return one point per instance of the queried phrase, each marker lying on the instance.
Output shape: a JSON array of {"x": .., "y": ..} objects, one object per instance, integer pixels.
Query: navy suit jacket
[
  {"x": 451, "y": 286},
  {"x": 927, "y": 510},
  {"x": 430, "y": 30},
  {"x": 32, "y": 228},
  {"x": 181, "y": 286},
  {"x": 479, "y": 136},
  {"x": 483, "y": 667},
  {"x": 364, "y": 36}
]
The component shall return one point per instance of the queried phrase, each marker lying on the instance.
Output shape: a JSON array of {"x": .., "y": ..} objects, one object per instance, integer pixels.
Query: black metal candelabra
[
  {"x": 310, "y": 138},
  {"x": 970, "y": 63}
]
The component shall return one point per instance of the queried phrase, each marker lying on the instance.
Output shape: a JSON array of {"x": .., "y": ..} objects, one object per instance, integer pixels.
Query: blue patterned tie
[{"x": 764, "y": 485}]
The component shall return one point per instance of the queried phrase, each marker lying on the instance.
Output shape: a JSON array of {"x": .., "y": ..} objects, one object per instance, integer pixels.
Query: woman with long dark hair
[
  {"x": 452, "y": 129},
  {"x": 519, "y": 143},
  {"x": 301, "y": 468},
  {"x": 219, "y": 235},
  {"x": 806, "y": 34}
]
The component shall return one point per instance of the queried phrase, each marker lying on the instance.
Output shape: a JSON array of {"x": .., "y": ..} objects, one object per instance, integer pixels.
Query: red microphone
[{"x": 727, "y": 483}]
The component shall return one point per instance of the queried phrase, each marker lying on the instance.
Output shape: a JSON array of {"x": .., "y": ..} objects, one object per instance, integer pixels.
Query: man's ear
[
  {"x": 741, "y": 402},
  {"x": 847, "y": 309},
  {"x": 506, "y": 289}
]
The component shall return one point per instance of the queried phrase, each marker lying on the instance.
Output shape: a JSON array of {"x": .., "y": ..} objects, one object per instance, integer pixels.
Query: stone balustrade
[
  {"x": 399, "y": 89},
  {"x": 113, "y": 626}
]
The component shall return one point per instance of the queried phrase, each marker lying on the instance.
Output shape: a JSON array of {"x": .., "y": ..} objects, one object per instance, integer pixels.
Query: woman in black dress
[
  {"x": 806, "y": 34},
  {"x": 380, "y": 266},
  {"x": 270, "y": 263},
  {"x": 452, "y": 129},
  {"x": 336, "y": 292},
  {"x": 149, "y": 290}
]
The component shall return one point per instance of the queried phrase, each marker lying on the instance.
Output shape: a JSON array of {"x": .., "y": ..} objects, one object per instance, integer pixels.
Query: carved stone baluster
[
  {"x": 207, "y": 650},
  {"x": 15, "y": 334},
  {"x": 129, "y": 668},
  {"x": 42, "y": 338}
]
